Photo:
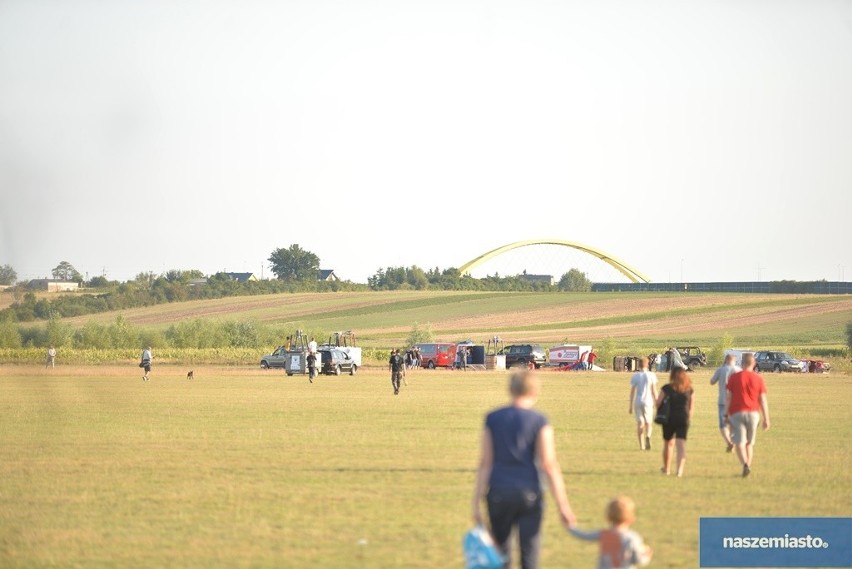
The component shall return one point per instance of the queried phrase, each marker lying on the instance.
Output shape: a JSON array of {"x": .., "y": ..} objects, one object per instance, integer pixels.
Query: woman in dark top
[
  {"x": 514, "y": 439},
  {"x": 679, "y": 391}
]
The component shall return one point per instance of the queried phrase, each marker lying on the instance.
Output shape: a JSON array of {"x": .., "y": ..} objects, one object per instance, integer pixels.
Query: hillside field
[
  {"x": 244, "y": 468},
  {"x": 653, "y": 320}
]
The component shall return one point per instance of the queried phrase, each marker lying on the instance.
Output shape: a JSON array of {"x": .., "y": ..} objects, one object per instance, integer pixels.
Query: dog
[{"x": 190, "y": 375}]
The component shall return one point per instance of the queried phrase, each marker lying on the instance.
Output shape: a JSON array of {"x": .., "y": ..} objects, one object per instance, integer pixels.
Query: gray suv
[
  {"x": 522, "y": 354},
  {"x": 776, "y": 361},
  {"x": 278, "y": 358}
]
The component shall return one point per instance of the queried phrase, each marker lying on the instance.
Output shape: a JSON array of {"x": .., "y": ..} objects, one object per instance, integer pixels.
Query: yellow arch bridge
[{"x": 623, "y": 268}]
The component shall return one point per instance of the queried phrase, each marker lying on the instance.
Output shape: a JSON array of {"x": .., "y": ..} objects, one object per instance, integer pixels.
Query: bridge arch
[{"x": 623, "y": 268}]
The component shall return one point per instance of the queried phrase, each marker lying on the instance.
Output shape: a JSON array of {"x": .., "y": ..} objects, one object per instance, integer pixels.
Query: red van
[{"x": 437, "y": 355}]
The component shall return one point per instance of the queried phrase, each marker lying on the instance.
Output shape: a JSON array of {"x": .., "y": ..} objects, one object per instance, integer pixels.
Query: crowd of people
[
  {"x": 517, "y": 445},
  {"x": 413, "y": 359}
]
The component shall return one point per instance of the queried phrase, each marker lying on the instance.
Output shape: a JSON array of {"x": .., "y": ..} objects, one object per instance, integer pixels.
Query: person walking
[
  {"x": 746, "y": 400},
  {"x": 311, "y": 360},
  {"x": 681, "y": 402},
  {"x": 516, "y": 442},
  {"x": 720, "y": 378},
  {"x": 51, "y": 357},
  {"x": 312, "y": 346},
  {"x": 146, "y": 362},
  {"x": 643, "y": 394},
  {"x": 397, "y": 368},
  {"x": 463, "y": 358}
]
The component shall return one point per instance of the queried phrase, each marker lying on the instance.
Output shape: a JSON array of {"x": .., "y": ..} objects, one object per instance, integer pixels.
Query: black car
[
  {"x": 335, "y": 362},
  {"x": 521, "y": 355}
]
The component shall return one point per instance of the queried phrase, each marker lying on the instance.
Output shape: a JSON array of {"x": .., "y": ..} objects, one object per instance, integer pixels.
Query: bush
[
  {"x": 606, "y": 352},
  {"x": 418, "y": 336},
  {"x": 10, "y": 337},
  {"x": 716, "y": 354}
]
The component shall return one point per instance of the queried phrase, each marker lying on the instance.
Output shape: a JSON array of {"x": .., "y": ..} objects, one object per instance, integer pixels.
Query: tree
[
  {"x": 65, "y": 271},
  {"x": 146, "y": 278},
  {"x": 98, "y": 282},
  {"x": 849, "y": 334},
  {"x": 294, "y": 264},
  {"x": 575, "y": 281},
  {"x": 182, "y": 276},
  {"x": 8, "y": 276}
]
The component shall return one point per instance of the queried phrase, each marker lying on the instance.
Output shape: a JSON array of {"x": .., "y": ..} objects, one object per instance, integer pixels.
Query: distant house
[
  {"x": 546, "y": 279},
  {"x": 242, "y": 277},
  {"x": 198, "y": 282},
  {"x": 327, "y": 275},
  {"x": 54, "y": 285}
]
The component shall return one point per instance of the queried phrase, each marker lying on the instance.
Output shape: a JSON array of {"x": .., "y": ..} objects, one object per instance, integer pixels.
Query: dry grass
[{"x": 245, "y": 468}]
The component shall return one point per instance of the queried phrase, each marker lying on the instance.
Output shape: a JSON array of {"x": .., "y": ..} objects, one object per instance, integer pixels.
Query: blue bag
[{"x": 480, "y": 551}]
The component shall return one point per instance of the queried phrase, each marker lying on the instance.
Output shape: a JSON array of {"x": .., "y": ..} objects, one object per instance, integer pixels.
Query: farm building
[
  {"x": 54, "y": 285},
  {"x": 242, "y": 277},
  {"x": 546, "y": 279},
  {"x": 327, "y": 275}
]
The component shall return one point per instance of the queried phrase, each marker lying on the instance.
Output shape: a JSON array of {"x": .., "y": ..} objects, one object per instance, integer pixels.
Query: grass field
[{"x": 244, "y": 468}]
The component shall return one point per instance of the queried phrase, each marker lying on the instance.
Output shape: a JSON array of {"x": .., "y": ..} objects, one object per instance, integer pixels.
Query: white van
[{"x": 738, "y": 352}]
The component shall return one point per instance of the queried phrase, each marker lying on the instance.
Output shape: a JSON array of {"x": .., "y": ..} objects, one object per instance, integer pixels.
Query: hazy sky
[{"x": 142, "y": 135}]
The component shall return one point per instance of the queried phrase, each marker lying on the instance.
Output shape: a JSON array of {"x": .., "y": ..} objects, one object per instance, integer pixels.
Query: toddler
[{"x": 620, "y": 547}]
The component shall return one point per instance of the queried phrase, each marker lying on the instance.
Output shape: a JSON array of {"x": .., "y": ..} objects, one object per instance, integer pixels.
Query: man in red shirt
[
  {"x": 590, "y": 359},
  {"x": 745, "y": 401}
]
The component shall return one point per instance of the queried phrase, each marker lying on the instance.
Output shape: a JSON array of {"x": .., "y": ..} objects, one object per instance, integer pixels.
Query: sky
[{"x": 711, "y": 140}]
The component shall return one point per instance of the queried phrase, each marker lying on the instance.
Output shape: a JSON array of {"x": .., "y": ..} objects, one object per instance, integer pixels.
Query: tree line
[{"x": 296, "y": 270}]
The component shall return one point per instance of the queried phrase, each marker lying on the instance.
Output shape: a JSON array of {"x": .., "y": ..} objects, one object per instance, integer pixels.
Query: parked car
[
  {"x": 437, "y": 355},
  {"x": 522, "y": 354},
  {"x": 277, "y": 359},
  {"x": 335, "y": 362},
  {"x": 692, "y": 356},
  {"x": 776, "y": 361}
]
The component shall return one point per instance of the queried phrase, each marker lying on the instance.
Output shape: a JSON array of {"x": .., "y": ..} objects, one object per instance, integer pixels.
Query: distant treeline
[
  {"x": 177, "y": 286},
  {"x": 149, "y": 292}
]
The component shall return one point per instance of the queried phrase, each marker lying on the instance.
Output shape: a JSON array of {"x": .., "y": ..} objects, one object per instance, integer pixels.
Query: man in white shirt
[
  {"x": 721, "y": 377},
  {"x": 643, "y": 394},
  {"x": 312, "y": 346}
]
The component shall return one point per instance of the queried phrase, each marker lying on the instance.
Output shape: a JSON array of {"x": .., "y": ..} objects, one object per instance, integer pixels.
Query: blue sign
[{"x": 776, "y": 542}]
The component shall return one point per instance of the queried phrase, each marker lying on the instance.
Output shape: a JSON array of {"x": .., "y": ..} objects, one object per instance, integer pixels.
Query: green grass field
[{"x": 244, "y": 468}]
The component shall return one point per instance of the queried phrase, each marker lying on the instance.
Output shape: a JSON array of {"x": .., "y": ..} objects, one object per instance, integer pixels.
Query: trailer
[{"x": 567, "y": 355}]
